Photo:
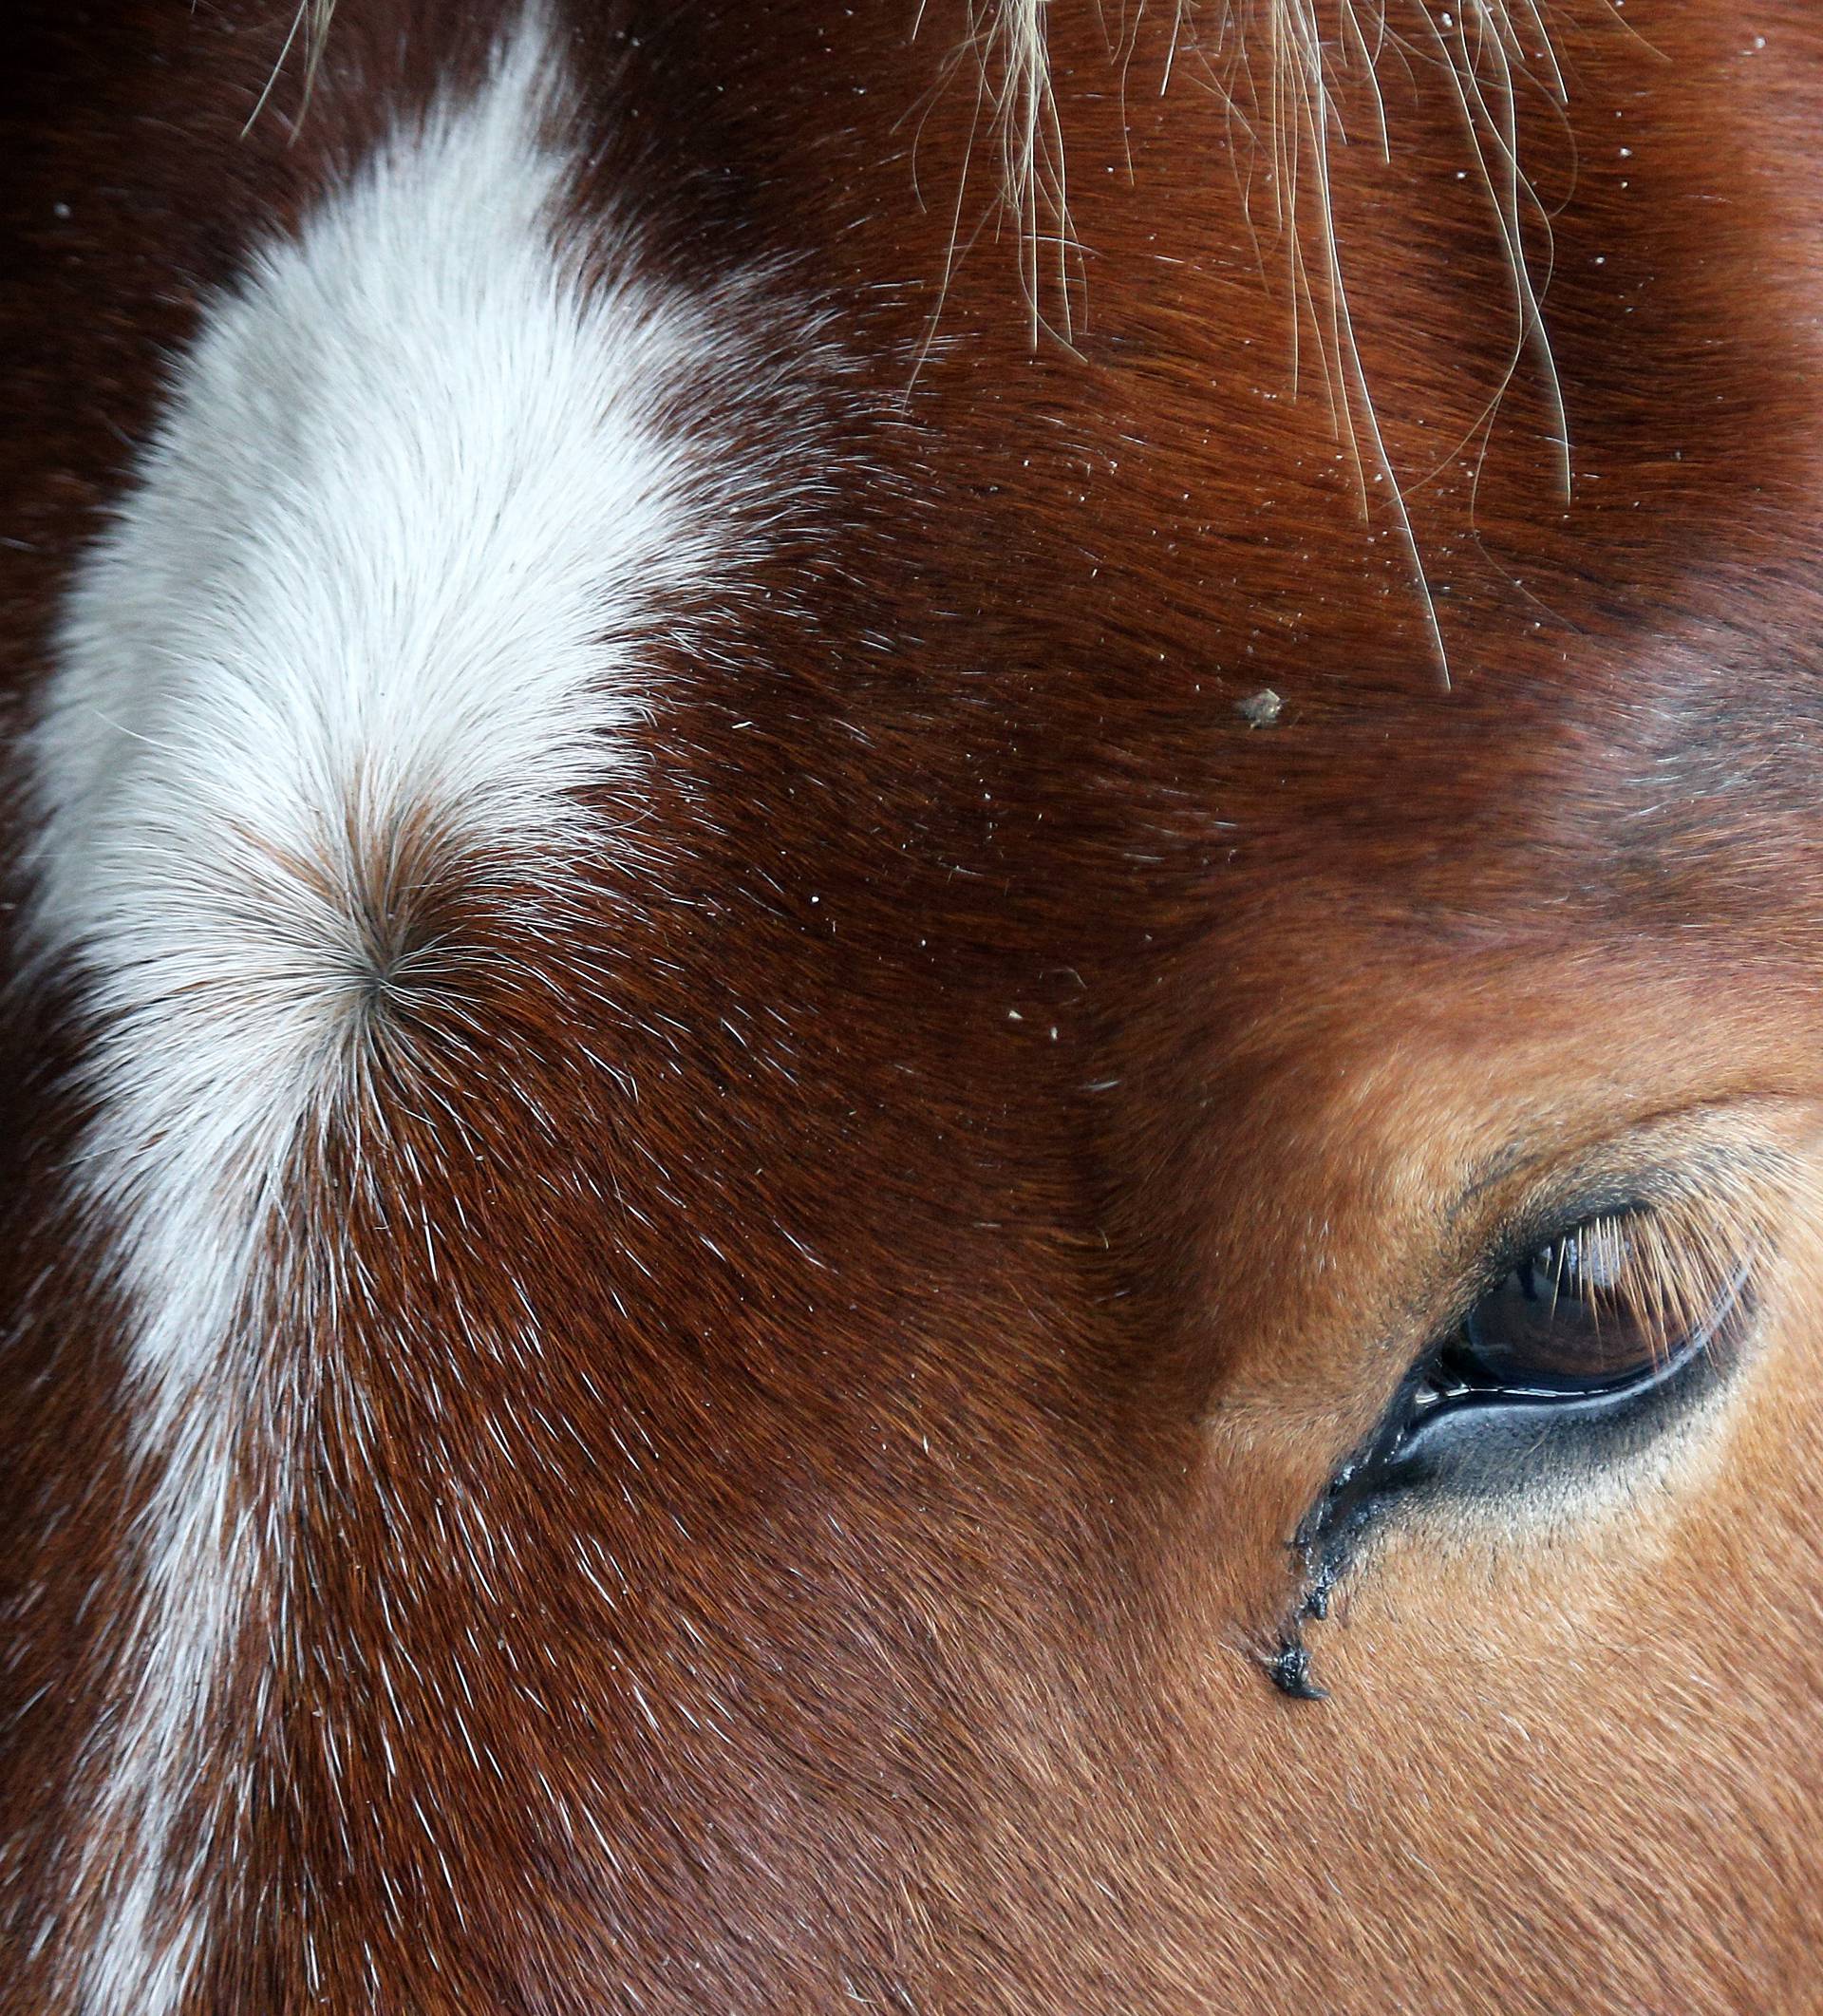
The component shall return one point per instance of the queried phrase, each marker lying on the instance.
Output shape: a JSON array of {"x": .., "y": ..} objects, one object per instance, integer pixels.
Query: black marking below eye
[{"x": 1439, "y": 1437}]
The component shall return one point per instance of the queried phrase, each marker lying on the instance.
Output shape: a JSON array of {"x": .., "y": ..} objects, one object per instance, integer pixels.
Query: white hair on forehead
[{"x": 352, "y": 686}]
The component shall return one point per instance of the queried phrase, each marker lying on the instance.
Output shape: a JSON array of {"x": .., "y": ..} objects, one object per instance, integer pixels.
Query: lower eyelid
[{"x": 1533, "y": 1430}]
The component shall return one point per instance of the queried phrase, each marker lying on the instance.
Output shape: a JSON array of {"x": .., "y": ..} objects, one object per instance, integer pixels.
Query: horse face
[{"x": 1108, "y": 1303}]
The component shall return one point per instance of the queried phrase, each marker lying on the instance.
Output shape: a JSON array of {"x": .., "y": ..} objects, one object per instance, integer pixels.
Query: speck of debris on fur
[{"x": 1261, "y": 709}]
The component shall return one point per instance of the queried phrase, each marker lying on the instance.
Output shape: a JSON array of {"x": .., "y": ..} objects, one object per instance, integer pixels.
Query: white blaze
[{"x": 386, "y": 567}]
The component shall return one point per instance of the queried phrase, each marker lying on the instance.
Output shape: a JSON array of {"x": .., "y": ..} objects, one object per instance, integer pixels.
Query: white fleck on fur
[{"x": 386, "y": 568}]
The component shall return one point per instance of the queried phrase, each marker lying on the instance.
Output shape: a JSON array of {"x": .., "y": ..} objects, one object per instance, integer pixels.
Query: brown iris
[{"x": 1594, "y": 1310}]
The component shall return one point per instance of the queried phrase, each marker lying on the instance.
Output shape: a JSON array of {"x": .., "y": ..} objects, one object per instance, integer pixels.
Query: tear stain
[
  {"x": 1289, "y": 1668},
  {"x": 1325, "y": 1543}
]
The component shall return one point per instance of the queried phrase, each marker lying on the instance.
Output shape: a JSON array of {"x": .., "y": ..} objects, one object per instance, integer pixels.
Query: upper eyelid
[
  {"x": 1651, "y": 1142},
  {"x": 1726, "y": 1178},
  {"x": 1504, "y": 1239},
  {"x": 1557, "y": 1220}
]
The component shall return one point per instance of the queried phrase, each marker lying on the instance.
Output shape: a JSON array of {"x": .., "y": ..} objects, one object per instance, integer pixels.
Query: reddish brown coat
[{"x": 1050, "y": 1084}]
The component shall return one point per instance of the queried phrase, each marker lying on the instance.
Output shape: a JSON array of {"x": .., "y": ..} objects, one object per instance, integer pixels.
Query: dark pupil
[{"x": 1557, "y": 1323}]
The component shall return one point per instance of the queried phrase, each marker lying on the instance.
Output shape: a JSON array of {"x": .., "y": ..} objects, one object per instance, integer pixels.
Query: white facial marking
[{"x": 386, "y": 569}]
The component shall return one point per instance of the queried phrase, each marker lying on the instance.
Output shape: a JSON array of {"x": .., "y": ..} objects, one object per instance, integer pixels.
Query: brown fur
[{"x": 856, "y": 1598}]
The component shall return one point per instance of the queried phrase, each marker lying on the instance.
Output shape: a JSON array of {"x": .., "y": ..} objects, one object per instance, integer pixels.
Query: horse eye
[
  {"x": 1588, "y": 1314},
  {"x": 1554, "y": 1323},
  {"x": 1568, "y": 1360},
  {"x": 1574, "y": 1358}
]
